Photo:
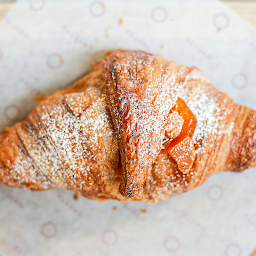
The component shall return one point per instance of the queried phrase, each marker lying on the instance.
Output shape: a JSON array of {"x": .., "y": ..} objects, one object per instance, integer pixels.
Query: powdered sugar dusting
[
  {"x": 205, "y": 105},
  {"x": 141, "y": 89},
  {"x": 74, "y": 131},
  {"x": 61, "y": 128},
  {"x": 78, "y": 136},
  {"x": 41, "y": 156},
  {"x": 204, "y": 108},
  {"x": 174, "y": 125},
  {"x": 24, "y": 172}
]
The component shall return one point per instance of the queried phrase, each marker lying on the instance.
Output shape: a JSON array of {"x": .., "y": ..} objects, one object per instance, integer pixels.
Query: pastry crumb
[
  {"x": 204, "y": 204},
  {"x": 76, "y": 196},
  {"x": 146, "y": 232},
  {"x": 95, "y": 209},
  {"x": 120, "y": 21},
  {"x": 38, "y": 99},
  {"x": 91, "y": 46},
  {"x": 143, "y": 210},
  {"x": 161, "y": 46},
  {"x": 114, "y": 208},
  {"x": 192, "y": 205},
  {"x": 235, "y": 226}
]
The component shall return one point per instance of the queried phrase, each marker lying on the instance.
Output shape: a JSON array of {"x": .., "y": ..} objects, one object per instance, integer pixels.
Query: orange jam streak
[
  {"x": 181, "y": 148},
  {"x": 188, "y": 127},
  {"x": 183, "y": 154}
]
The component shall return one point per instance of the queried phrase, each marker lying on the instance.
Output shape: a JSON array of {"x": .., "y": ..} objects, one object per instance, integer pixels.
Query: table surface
[{"x": 244, "y": 8}]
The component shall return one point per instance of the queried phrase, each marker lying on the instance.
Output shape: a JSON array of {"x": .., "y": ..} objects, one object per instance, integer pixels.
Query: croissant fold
[{"x": 136, "y": 128}]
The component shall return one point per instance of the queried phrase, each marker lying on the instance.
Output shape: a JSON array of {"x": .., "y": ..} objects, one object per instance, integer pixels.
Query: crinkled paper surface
[{"x": 46, "y": 45}]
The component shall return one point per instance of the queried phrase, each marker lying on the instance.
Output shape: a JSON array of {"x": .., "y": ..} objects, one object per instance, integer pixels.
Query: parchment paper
[{"x": 46, "y": 45}]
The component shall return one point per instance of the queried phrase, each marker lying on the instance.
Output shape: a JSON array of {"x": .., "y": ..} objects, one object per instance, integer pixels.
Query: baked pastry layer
[{"x": 89, "y": 138}]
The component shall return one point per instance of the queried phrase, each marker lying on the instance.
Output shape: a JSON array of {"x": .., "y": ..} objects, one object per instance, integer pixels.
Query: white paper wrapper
[{"x": 46, "y": 45}]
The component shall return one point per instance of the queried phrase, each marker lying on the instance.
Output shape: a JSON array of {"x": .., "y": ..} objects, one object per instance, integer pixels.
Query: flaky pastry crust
[{"x": 107, "y": 129}]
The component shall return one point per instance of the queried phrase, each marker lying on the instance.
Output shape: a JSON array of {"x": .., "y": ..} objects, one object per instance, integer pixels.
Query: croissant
[{"x": 136, "y": 128}]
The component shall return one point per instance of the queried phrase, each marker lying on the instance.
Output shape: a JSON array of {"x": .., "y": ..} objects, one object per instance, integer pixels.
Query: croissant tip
[{"x": 129, "y": 191}]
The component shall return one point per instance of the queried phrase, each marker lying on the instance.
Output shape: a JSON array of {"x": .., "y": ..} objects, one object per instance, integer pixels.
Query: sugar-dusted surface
[
  {"x": 142, "y": 89},
  {"x": 214, "y": 219},
  {"x": 173, "y": 125},
  {"x": 71, "y": 140},
  {"x": 206, "y": 104}
]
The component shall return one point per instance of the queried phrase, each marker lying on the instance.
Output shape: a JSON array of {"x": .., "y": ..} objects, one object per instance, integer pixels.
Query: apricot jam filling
[{"x": 179, "y": 129}]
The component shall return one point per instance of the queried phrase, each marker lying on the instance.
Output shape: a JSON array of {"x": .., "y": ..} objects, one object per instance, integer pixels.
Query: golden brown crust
[
  {"x": 142, "y": 88},
  {"x": 242, "y": 153},
  {"x": 69, "y": 139}
]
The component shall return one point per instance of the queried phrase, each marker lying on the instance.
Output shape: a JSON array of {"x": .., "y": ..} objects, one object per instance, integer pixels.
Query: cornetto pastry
[{"x": 136, "y": 128}]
